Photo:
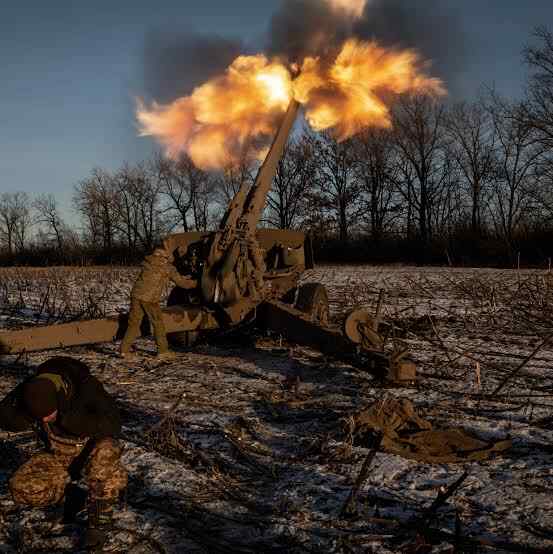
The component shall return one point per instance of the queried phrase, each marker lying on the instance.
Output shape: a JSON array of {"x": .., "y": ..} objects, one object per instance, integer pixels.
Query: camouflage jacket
[
  {"x": 85, "y": 409},
  {"x": 153, "y": 279}
]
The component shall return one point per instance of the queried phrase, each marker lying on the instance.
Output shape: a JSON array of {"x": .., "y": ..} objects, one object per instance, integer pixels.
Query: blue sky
[{"x": 70, "y": 72}]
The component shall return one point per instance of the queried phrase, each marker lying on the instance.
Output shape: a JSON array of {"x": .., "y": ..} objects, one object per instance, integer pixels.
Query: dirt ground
[{"x": 225, "y": 456}]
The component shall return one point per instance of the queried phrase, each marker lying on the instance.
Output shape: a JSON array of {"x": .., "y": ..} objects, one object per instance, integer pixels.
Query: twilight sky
[{"x": 70, "y": 70}]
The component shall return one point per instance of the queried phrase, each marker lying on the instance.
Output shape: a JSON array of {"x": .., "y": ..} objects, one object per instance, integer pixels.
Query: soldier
[
  {"x": 79, "y": 422},
  {"x": 157, "y": 271}
]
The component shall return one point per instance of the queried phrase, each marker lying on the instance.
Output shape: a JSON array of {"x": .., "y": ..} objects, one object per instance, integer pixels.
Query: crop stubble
[{"x": 242, "y": 447}]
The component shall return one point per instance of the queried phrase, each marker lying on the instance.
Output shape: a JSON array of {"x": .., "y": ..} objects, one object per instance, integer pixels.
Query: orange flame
[
  {"x": 217, "y": 120},
  {"x": 241, "y": 108},
  {"x": 348, "y": 95}
]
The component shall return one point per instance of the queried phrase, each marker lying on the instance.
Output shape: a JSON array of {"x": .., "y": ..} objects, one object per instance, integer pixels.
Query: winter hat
[{"x": 40, "y": 397}]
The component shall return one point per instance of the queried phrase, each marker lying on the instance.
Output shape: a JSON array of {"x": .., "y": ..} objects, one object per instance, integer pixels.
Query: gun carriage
[{"x": 243, "y": 273}]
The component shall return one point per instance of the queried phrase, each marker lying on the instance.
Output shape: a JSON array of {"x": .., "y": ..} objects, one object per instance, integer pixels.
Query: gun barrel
[{"x": 257, "y": 197}]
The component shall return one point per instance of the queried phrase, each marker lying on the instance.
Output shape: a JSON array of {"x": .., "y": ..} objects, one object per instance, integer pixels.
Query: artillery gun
[{"x": 243, "y": 273}]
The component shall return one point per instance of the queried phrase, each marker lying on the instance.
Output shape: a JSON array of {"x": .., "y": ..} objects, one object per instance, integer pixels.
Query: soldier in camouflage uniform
[
  {"x": 80, "y": 422},
  {"x": 157, "y": 271}
]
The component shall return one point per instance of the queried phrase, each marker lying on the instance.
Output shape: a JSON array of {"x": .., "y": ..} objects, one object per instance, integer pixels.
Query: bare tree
[
  {"x": 447, "y": 204},
  {"x": 543, "y": 190},
  {"x": 337, "y": 187},
  {"x": 472, "y": 134},
  {"x": 187, "y": 189},
  {"x": 419, "y": 135},
  {"x": 203, "y": 205},
  {"x": 295, "y": 174},
  {"x": 405, "y": 186},
  {"x": 47, "y": 214},
  {"x": 537, "y": 110},
  {"x": 125, "y": 207},
  {"x": 95, "y": 199},
  {"x": 518, "y": 155},
  {"x": 378, "y": 171},
  {"x": 15, "y": 220},
  {"x": 229, "y": 180},
  {"x": 140, "y": 217}
]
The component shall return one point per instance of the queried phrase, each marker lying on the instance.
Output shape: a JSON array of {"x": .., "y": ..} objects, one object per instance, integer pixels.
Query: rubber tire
[
  {"x": 313, "y": 300},
  {"x": 181, "y": 339}
]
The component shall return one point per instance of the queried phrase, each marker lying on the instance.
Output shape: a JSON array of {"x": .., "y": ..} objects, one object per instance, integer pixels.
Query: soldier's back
[{"x": 151, "y": 281}]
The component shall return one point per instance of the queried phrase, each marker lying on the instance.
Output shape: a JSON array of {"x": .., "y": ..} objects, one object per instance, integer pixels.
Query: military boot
[
  {"x": 75, "y": 501},
  {"x": 100, "y": 523}
]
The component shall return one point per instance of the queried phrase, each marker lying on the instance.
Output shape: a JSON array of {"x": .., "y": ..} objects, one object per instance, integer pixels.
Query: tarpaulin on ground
[{"x": 407, "y": 434}]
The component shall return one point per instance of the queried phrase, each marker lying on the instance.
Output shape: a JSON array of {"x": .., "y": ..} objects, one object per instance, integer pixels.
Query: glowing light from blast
[
  {"x": 279, "y": 90},
  {"x": 347, "y": 96},
  {"x": 354, "y": 8},
  {"x": 220, "y": 118},
  {"x": 242, "y": 107}
]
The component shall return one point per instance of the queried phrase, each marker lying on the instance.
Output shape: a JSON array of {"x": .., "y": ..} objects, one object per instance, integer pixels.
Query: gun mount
[{"x": 243, "y": 273}]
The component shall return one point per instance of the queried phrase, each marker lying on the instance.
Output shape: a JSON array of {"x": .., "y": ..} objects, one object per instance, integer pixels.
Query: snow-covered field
[{"x": 223, "y": 457}]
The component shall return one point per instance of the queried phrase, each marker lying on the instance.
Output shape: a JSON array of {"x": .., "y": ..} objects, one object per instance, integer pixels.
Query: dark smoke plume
[
  {"x": 301, "y": 27},
  {"x": 305, "y": 27},
  {"x": 174, "y": 65}
]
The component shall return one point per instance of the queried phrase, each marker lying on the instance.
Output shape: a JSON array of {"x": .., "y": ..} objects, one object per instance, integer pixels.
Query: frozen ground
[{"x": 223, "y": 457}]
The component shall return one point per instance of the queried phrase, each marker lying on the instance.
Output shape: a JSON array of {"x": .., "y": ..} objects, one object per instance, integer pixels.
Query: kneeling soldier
[{"x": 80, "y": 422}]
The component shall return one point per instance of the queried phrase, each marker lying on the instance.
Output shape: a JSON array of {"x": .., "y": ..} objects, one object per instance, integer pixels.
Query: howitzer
[{"x": 243, "y": 273}]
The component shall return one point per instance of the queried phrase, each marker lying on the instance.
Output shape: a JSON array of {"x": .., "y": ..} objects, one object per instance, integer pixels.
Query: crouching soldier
[
  {"x": 80, "y": 423},
  {"x": 157, "y": 271}
]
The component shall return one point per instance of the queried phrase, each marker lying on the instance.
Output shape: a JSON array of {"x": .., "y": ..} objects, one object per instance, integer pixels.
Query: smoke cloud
[
  {"x": 176, "y": 64},
  {"x": 308, "y": 27},
  {"x": 430, "y": 27}
]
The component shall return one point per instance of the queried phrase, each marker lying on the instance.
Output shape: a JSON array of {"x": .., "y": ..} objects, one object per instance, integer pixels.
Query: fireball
[{"x": 236, "y": 114}]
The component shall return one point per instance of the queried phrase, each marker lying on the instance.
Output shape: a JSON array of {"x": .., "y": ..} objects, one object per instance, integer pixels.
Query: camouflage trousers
[
  {"x": 139, "y": 309},
  {"x": 41, "y": 481}
]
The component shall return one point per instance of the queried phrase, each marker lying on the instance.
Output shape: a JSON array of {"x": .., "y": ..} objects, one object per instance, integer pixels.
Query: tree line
[{"x": 463, "y": 183}]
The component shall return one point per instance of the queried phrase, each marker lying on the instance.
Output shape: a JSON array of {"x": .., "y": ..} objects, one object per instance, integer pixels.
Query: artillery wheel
[
  {"x": 313, "y": 300},
  {"x": 359, "y": 328},
  {"x": 181, "y": 339}
]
